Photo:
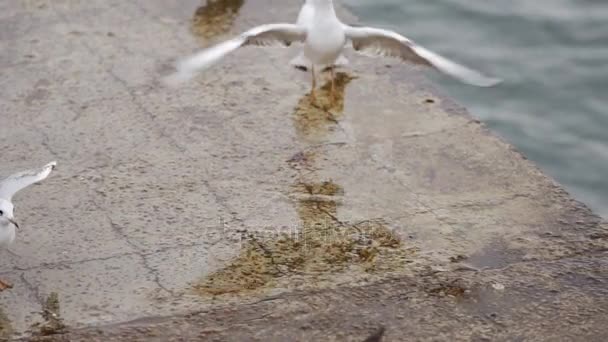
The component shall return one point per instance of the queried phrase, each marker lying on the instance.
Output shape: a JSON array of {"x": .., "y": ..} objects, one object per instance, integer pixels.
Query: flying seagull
[
  {"x": 324, "y": 38},
  {"x": 8, "y": 188}
]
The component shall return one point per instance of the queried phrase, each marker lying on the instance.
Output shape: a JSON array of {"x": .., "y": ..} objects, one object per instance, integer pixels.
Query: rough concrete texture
[{"x": 230, "y": 209}]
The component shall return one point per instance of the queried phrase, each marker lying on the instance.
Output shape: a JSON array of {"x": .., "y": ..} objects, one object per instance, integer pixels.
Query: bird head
[{"x": 6, "y": 211}]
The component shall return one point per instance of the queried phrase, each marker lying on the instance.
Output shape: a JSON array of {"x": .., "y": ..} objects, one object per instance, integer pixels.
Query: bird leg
[
  {"x": 332, "y": 94},
  {"x": 4, "y": 286},
  {"x": 313, "y": 99}
]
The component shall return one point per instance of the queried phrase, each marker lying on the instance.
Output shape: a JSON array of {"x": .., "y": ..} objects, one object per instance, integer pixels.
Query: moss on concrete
[
  {"x": 215, "y": 18},
  {"x": 51, "y": 314},
  {"x": 323, "y": 249},
  {"x": 313, "y": 119}
]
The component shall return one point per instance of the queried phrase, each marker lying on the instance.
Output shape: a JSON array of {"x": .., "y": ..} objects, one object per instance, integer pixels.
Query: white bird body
[
  {"x": 8, "y": 188},
  {"x": 7, "y": 232},
  {"x": 7, "y": 224},
  {"x": 324, "y": 37},
  {"x": 307, "y": 19}
]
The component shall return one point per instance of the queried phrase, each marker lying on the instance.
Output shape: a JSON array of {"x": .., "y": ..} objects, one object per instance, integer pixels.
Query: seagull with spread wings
[
  {"x": 324, "y": 38},
  {"x": 8, "y": 188}
]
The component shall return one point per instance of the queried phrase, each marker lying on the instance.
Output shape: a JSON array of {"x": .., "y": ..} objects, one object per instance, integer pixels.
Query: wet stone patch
[
  {"x": 314, "y": 256},
  {"x": 315, "y": 120}
]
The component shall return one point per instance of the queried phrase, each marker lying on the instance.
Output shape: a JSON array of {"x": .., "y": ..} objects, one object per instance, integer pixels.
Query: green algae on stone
[
  {"x": 326, "y": 188},
  {"x": 322, "y": 249},
  {"x": 315, "y": 120},
  {"x": 215, "y": 18},
  {"x": 51, "y": 314}
]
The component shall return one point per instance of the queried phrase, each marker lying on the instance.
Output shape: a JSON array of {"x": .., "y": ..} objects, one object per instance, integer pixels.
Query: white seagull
[
  {"x": 324, "y": 37},
  {"x": 305, "y": 19},
  {"x": 8, "y": 188}
]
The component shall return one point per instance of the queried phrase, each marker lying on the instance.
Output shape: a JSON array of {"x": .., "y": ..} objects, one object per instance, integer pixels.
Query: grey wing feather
[
  {"x": 273, "y": 34},
  {"x": 264, "y": 35},
  {"x": 388, "y": 47},
  {"x": 16, "y": 182},
  {"x": 379, "y": 42}
]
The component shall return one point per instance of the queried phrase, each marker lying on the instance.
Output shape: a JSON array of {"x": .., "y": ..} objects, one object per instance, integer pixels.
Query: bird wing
[
  {"x": 379, "y": 42},
  {"x": 14, "y": 183},
  {"x": 264, "y": 35}
]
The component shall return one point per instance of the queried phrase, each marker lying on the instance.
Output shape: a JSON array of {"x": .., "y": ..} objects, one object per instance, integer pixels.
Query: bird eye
[{"x": 1, "y": 213}]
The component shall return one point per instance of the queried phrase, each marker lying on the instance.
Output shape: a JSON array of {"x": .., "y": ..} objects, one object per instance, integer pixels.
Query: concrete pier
[{"x": 232, "y": 209}]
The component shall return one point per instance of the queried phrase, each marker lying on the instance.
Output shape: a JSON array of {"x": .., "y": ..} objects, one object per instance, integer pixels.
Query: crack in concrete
[
  {"x": 34, "y": 290},
  {"x": 138, "y": 251},
  {"x": 485, "y": 205},
  {"x": 67, "y": 264},
  {"x": 173, "y": 142},
  {"x": 268, "y": 254},
  {"x": 118, "y": 230},
  {"x": 46, "y": 145},
  {"x": 319, "y": 207},
  {"x": 154, "y": 272},
  {"x": 184, "y": 150}
]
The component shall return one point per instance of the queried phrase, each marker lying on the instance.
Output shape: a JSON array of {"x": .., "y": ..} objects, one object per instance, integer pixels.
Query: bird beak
[{"x": 13, "y": 222}]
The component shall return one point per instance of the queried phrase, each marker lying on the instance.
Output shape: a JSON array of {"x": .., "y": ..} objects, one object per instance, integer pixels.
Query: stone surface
[{"x": 231, "y": 209}]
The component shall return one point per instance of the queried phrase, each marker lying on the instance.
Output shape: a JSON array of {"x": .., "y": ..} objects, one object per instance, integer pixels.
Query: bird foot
[{"x": 5, "y": 286}]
